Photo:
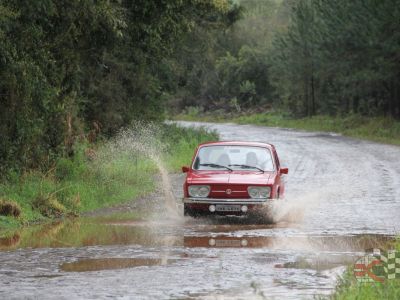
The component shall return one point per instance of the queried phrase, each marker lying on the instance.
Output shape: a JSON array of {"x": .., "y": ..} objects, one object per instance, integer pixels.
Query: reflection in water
[
  {"x": 86, "y": 265},
  {"x": 299, "y": 243},
  {"x": 81, "y": 233}
]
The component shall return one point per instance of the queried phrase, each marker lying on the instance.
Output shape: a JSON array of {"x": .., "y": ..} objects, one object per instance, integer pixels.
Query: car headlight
[
  {"x": 259, "y": 192},
  {"x": 198, "y": 190}
]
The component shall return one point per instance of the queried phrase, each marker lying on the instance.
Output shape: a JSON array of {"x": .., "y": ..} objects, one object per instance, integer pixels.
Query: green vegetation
[
  {"x": 339, "y": 57},
  {"x": 74, "y": 67},
  {"x": 306, "y": 57},
  {"x": 95, "y": 178},
  {"x": 229, "y": 68},
  {"x": 72, "y": 74}
]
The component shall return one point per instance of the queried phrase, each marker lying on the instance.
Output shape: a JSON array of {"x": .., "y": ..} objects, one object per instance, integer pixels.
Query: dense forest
[
  {"x": 307, "y": 57},
  {"x": 73, "y": 67}
]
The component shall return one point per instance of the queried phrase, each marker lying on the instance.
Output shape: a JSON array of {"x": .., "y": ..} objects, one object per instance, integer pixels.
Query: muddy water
[{"x": 343, "y": 197}]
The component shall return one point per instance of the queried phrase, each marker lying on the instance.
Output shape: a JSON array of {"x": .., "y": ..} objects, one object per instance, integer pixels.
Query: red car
[{"x": 232, "y": 178}]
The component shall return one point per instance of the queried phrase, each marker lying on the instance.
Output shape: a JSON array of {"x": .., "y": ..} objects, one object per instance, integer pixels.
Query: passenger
[{"x": 224, "y": 160}]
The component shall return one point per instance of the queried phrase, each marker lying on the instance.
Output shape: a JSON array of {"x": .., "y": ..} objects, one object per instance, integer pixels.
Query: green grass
[
  {"x": 378, "y": 129},
  {"x": 182, "y": 143},
  {"x": 82, "y": 183}
]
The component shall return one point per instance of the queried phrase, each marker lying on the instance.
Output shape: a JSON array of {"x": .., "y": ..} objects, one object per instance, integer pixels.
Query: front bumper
[
  {"x": 201, "y": 206},
  {"x": 225, "y": 201}
]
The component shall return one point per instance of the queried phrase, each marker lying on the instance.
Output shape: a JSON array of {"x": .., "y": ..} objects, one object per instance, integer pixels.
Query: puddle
[
  {"x": 87, "y": 265},
  {"x": 220, "y": 255}
]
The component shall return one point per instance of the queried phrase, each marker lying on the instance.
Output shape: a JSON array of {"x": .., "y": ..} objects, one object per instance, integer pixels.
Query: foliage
[
  {"x": 217, "y": 64},
  {"x": 67, "y": 67},
  {"x": 245, "y": 77},
  {"x": 182, "y": 142},
  {"x": 307, "y": 57},
  {"x": 339, "y": 57}
]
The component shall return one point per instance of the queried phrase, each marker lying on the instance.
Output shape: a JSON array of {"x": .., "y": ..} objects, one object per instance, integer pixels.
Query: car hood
[{"x": 225, "y": 177}]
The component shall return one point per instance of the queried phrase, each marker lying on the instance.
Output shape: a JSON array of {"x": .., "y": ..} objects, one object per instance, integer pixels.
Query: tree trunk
[
  {"x": 396, "y": 96},
  {"x": 306, "y": 100},
  {"x": 313, "y": 109}
]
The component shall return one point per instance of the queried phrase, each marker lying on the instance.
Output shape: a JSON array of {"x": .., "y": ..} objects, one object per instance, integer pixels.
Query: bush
[
  {"x": 64, "y": 169},
  {"x": 9, "y": 208}
]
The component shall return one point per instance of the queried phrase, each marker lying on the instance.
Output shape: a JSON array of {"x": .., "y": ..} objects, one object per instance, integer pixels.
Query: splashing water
[
  {"x": 292, "y": 209},
  {"x": 294, "y": 206},
  {"x": 143, "y": 140}
]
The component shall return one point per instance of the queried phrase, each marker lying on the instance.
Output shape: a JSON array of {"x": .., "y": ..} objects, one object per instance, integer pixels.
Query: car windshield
[{"x": 244, "y": 158}]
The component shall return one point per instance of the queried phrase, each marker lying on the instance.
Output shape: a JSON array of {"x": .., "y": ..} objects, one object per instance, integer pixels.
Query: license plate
[
  {"x": 227, "y": 243},
  {"x": 227, "y": 208}
]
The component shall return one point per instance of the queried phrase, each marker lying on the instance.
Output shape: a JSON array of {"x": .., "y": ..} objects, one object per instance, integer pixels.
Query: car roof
[{"x": 237, "y": 143}]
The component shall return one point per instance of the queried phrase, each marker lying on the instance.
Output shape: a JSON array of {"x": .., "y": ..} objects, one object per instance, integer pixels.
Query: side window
[{"x": 196, "y": 164}]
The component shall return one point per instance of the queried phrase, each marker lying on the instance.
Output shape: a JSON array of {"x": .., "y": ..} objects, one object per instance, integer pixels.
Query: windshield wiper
[
  {"x": 216, "y": 166},
  {"x": 248, "y": 167}
]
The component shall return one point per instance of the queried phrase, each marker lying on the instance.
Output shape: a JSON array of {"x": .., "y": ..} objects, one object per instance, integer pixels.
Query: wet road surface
[{"x": 342, "y": 198}]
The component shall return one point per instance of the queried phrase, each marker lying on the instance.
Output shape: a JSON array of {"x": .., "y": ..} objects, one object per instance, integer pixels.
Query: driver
[{"x": 251, "y": 159}]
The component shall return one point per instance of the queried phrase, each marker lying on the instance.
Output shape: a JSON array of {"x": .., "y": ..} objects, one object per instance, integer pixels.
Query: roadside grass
[
  {"x": 89, "y": 180},
  {"x": 182, "y": 142},
  {"x": 378, "y": 129}
]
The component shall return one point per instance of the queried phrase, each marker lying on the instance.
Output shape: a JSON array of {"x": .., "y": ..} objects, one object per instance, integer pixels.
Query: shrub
[
  {"x": 65, "y": 168},
  {"x": 9, "y": 208}
]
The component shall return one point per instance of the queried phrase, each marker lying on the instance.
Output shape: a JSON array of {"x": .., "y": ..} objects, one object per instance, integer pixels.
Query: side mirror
[
  {"x": 185, "y": 169},
  {"x": 284, "y": 171}
]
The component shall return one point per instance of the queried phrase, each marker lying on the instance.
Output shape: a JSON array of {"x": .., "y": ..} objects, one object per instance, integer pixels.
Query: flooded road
[{"x": 342, "y": 198}]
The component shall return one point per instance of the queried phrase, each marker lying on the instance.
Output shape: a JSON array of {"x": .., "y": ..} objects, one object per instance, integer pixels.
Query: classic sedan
[{"x": 232, "y": 178}]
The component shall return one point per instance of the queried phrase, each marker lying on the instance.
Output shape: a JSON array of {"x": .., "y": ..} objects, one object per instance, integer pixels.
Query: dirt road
[{"x": 342, "y": 197}]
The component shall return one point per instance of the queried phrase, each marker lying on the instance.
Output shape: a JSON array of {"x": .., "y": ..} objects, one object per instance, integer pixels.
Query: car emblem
[{"x": 229, "y": 191}]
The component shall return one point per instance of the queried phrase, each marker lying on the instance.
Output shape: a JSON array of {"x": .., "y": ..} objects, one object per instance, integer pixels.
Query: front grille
[{"x": 229, "y": 191}]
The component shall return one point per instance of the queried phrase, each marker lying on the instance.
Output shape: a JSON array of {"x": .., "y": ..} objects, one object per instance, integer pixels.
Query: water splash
[
  {"x": 143, "y": 141},
  {"x": 295, "y": 206}
]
